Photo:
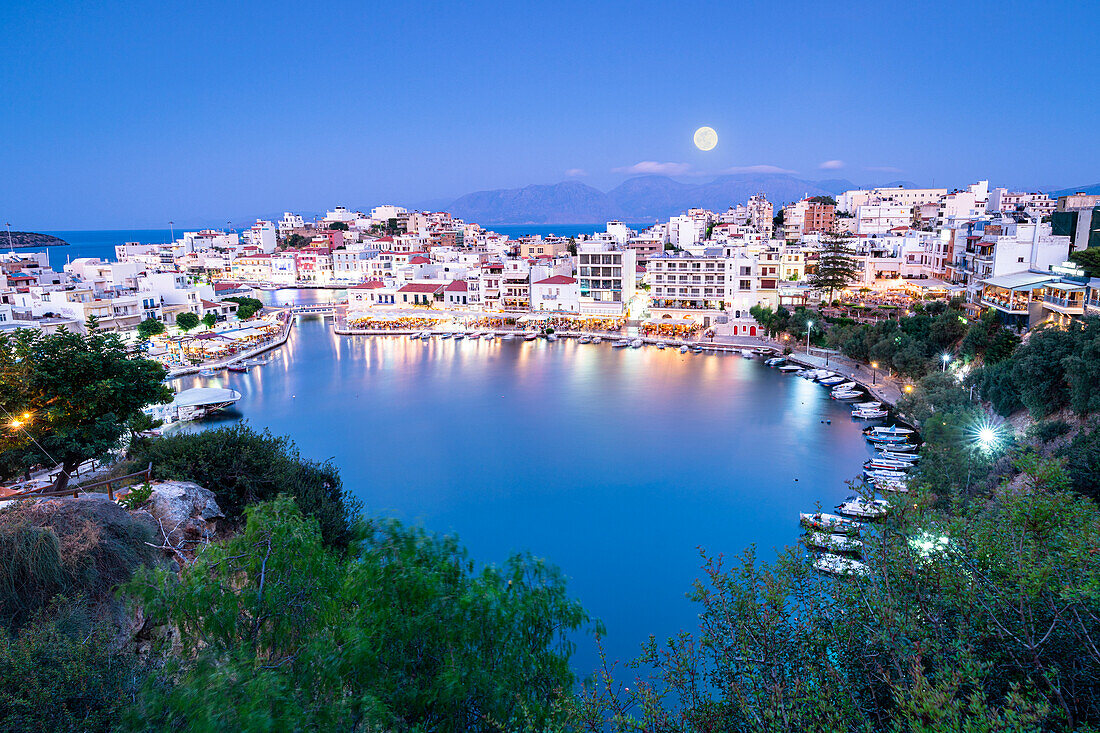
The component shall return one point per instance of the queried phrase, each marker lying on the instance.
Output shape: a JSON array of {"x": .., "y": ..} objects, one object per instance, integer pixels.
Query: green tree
[
  {"x": 282, "y": 634},
  {"x": 186, "y": 321},
  {"x": 209, "y": 320},
  {"x": 68, "y": 397},
  {"x": 296, "y": 241},
  {"x": 836, "y": 268},
  {"x": 247, "y": 307},
  {"x": 338, "y": 225},
  {"x": 150, "y": 327},
  {"x": 1082, "y": 457},
  {"x": 572, "y": 247},
  {"x": 1089, "y": 259},
  {"x": 828, "y": 200}
]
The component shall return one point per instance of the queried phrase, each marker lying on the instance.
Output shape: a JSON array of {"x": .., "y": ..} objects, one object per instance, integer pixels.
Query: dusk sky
[{"x": 127, "y": 115}]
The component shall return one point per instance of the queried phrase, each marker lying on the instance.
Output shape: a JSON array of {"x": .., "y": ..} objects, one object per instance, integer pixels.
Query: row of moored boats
[{"x": 242, "y": 366}]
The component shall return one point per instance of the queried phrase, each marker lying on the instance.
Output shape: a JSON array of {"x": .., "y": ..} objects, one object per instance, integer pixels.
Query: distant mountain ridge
[
  {"x": 636, "y": 199},
  {"x": 1093, "y": 190}
]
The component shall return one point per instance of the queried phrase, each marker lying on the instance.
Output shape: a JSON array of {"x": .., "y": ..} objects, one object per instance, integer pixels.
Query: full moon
[{"x": 706, "y": 138}]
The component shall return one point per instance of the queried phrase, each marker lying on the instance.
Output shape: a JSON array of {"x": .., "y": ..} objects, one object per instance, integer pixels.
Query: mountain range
[{"x": 635, "y": 200}]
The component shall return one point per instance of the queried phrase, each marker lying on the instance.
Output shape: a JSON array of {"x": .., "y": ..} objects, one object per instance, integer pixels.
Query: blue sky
[{"x": 130, "y": 114}]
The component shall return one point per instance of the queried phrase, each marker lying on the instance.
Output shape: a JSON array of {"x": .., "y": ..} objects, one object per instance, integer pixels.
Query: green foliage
[
  {"x": 296, "y": 241},
  {"x": 1082, "y": 457},
  {"x": 338, "y": 225},
  {"x": 1089, "y": 259},
  {"x": 988, "y": 339},
  {"x": 79, "y": 549},
  {"x": 991, "y": 630},
  {"x": 242, "y": 466},
  {"x": 58, "y": 674},
  {"x": 137, "y": 496},
  {"x": 78, "y": 393},
  {"x": 405, "y": 635},
  {"x": 910, "y": 346},
  {"x": 209, "y": 320},
  {"x": 150, "y": 327},
  {"x": 187, "y": 321},
  {"x": 247, "y": 307},
  {"x": 824, "y": 200},
  {"x": 1048, "y": 430}
]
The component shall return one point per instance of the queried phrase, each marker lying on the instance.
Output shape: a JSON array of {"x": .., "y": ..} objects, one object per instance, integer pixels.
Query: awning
[
  {"x": 1069, "y": 287},
  {"x": 1020, "y": 281}
]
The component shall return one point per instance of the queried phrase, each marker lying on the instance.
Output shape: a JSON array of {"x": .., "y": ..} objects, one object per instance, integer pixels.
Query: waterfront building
[
  {"x": 606, "y": 277},
  {"x": 556, "y": 293},
  {"x": 687, "y": 287}
]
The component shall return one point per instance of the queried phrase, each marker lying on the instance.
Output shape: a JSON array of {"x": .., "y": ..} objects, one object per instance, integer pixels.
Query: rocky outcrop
[
  {"x": 31, "y": 239},
  {"x": 186, "y": 513}
]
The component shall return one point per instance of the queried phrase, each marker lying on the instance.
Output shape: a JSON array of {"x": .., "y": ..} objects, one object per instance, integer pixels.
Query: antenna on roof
[{"x": 10, "y": 245}]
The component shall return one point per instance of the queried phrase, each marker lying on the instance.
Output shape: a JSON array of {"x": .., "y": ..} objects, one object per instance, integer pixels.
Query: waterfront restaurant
[
  {"x": 1064, "y": 301},
  {"x": 1017, "y": 298}
]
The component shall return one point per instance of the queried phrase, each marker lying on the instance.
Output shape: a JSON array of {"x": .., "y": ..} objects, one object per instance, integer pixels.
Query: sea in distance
[
  {"x": 101, "y": 243},
  {"x": 616, "y": 465}
]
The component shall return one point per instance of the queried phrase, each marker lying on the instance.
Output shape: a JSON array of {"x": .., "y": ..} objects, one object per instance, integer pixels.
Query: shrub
[
  {"x": 1048, "y": 430},
  {"x": 137, "y": 496},
  {"x": 242, "y": 466}
]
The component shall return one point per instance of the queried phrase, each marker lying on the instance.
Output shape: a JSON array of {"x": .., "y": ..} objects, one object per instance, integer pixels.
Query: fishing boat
[
  {"x": 830, "y": 381},
  {"x": 584, "y": 340},
  {"x": 551, "y": 337},
  {"x": 747, "y": 353},
  {"x": 829, "y": 522},
  {"x": 846, "y": 396},
  {"x": 832, "y": 542},
  {"x": 908, "y": 457},
  {"x": 855, "y": 506},
  {"x": 425, "y": 335},
  {"x": 459, "y": 336},
  {"x": 636, "y": 344},
  {"x": 597, "y": 339},
  {"x": 790, "y": 368},
  {"x": 238, "y": 367},
  {"x": 530, "y": 336},
  {"x": 845, "y": 387},
  {"x": 774, "y": 361},
  {"x": 838, "y": 565},
  {"x": 892, "y": 430},
  {"x": 883, "y": 474},
  {"x": 473, "y": 335},
  {"x": 865, "y": 413},
  {"x": 660, "y": 344},
  {"x": 869, "y": 405},
  {"x": 889, "y": 464},
  {"x": 885, "y": 438},
  {"x": 684, "y": 349},
  {"x": 697, "y": 349},
  {"x": 508, "y": 337},
  {"x": 414, "y": 336},
  {"x": 446, "y": 335},
  {"x": 208, "y": 373},
  {"x": 621, "y": 343}
]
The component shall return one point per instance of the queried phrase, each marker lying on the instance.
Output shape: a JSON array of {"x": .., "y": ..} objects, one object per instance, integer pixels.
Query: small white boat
[
  {"x": 845, "y": 387},
  {"x": 888, "y": 464},
  {"x": 869, "y": 405},
  {"x": 833, "y": 542},
  {"x": 660, "y": 344},
  {"x": 846, "y": 396},
  {"x": 837, "y": 565},
  {"x": 636, "y": 344},
  {"x": 790, "y": 368},
  {"x": 762, "y": 351},
  {"x": 424, "y": 335},
  {"x": 473, "y": 335},
  {"x": 830, "y": 381},
  {"x": 684, "y": 349},
  {"x": 208, "y": 373},
  {"x": 856, "y": 506},
  {"x": 508, "y": 337},
  {"x": 866, "y": 413},
  {"x": 621, "y": 343},
  {"x": 892, "y": 430},
  {"x": 551, "y": 337},
  {"x": 875, "y": 438},
  {"x": 446, "y": 335},
  {"x": 774, "y": 361},
  {"x": 747, "y": 353},
  {"x": 597, "y": 339},
  {"x": 459, "y": 336},
  {"x": 908, "y": 457},
  {"x": 530, "y": 336},
  {"x": 584, "y": 340},
  {"x": 414, "y": 336},
  {"x": 829, "y": 522},
  {"x": 883, "y": 473}
]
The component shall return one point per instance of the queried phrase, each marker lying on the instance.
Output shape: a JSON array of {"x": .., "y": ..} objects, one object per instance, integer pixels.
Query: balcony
[
  {"x": 1015, "y": 305},
  {"x": 1069, "y": 306}
]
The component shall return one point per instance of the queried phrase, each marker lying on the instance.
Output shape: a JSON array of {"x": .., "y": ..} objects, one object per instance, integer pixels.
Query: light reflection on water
[{"x": 615, "y": 464}]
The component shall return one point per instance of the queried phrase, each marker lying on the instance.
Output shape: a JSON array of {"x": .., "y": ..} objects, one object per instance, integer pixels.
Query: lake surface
[{"x": 614, "y": 464}]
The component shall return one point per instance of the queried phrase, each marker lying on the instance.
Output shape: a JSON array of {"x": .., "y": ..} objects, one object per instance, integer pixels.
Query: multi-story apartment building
[
  {"x": 880, "y": 218},
  {"x": 607, "y": 278},
  {"x": 684, "y": 285}
]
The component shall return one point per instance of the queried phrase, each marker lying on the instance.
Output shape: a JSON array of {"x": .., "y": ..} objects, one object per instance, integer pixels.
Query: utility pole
[{"x": 10, "y": 245}]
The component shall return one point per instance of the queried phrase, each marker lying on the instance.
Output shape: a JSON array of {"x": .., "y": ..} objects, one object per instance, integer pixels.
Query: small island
[{"x": 31, "y": 239}]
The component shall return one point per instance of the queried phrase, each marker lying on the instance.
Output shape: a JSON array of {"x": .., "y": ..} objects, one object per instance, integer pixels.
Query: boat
[
  {"x": 551, "y": 337},
  {"x": 414, "y": 336},
  {"x": 208, "y": 373},
  {"x": 584, "y": 340},
  {"x": 597, "y": 339},
  {"x": 238, "y": 367},
  {"x": 636, "y": 344},
  {"x": 832, "y": 542},
  {"x": 621, "y": 343},
  {"x": 883, "y": 474},
  {"x": 697, "y": 349},
  {"x": 684, "y": 349},
  {"x": 774, "y": 361},
  {"x": 846, "y": 396},
  {"x": 869, "y": 405},
  {"x": 888, "y": 463},
  {"x": 846, "y": 386},
  {"x": 892, "y": 487},
  {"x": 508, "y": 337},
  {"x": 425, "y": 335},
  {"x": 874, "y": 438},
  {"x": 790, "y": 368},
  {"x": 446, "y": 335},
  {"x": 829, "y": 522},
  {"x": 866, "y": 413},
  {"x": 830, "y": 381},
  {"x": 892, "y": 430},
  {"x": 473, "y": 335},
  {"x": 856, "y": 506},
  {"x": 660, "y": 344},
  {"x": 909, "y": 457},
  {"x": 837, "y": 565},
  {"x": 459, "y": 336},
  {"x": 530, "y": 336},
  {"x": 747, "y": 353}
]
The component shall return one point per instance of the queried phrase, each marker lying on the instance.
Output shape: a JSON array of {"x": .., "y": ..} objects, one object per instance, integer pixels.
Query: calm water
[{"x": 615, "y": 464}]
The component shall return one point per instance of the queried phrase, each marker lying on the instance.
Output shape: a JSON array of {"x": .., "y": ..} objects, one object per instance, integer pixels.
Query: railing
[
  {"x": 1064, "y": 302},
  {"x": 112, "y": 484}
]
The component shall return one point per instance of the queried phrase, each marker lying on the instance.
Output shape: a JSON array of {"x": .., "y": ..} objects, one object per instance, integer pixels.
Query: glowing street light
[
  {"x": 946, "y": 358},
  {"x": 874, "y": 373},
  {"x": 988, "y": 436},
  {"x": 809, "y": 326}
]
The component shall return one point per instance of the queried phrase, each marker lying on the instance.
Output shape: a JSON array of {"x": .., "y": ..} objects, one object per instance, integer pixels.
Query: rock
[{"x": 186, "y": 512}]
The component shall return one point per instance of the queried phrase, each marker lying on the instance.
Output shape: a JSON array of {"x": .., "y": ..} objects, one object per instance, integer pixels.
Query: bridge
[{"x": 314, "y": 309}]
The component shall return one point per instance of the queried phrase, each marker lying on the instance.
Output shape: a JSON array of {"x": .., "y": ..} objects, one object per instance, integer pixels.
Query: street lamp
[
  {"x": 809, "y": 327},
  {"x": 946, "y": 358},
  {"x": 874, "y": 373}
]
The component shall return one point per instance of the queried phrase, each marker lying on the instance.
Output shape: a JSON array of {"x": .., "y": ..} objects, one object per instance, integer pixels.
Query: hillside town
[{"x": 700, "y": 271}]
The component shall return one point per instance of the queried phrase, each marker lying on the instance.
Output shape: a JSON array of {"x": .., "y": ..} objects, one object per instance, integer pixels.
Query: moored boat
[
  {"x": 636, "y": 344},
  {"x": 888, "y": 464},
  {"x": 660, "y": 344},
  {"x": 829, "y": 522},
  {"x": 621, "y": 343},
  {"x": 584, "y": 340},
  {"x": 238, "y": 367},
  {"x": 684, "y": 349},
  {"x": 551, "y": 337},
  {"x": 747, "y": 353},
  {"x": 790, "y": 368},
  {"x": 867, "y": 413},
  {"x": 855, "y": 506},
  {"x": 208, "y": 373},
  {"x": 838, "y": 565},
  {"x": 774, "y": 361},
  {"x": 597, "y": 339},
  {"x": 530, "y": 336},
  {"x": 891, "y": 430},
  {"x": 832, "y": 542},
  {"x": 459, "y": 336}
]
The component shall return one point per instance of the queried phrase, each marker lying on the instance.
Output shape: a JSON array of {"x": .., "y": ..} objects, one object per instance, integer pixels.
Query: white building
[
  {"x": 290, "y": 221},
  {"x": 607, "y": 278},
  {"x": 880, "y": 218},
  {"x": 556, "y": 293}
]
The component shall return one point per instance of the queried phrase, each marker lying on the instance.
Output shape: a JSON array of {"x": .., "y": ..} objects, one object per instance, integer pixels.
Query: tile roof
[
  {"x": 421, "y": 288},
  {"x": 457, "y": 286},
  {"x": 557, "y": 280},
  {"x": 369, "y": 285}
]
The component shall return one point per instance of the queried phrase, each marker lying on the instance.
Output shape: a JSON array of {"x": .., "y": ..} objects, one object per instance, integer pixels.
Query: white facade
[{"x": 880, "y": 218}]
